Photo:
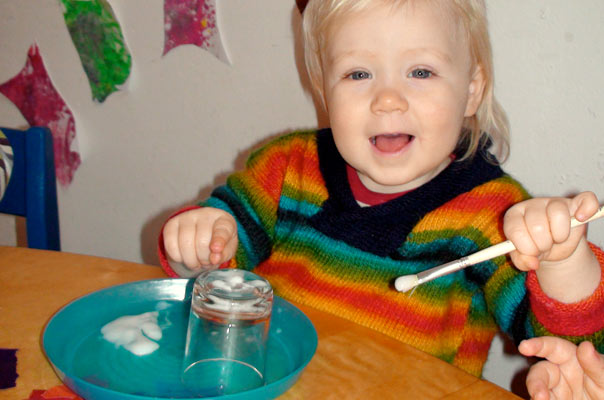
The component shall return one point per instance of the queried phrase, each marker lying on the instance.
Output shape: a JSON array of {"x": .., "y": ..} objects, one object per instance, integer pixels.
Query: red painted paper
[
  {"x": 192, "y": 22},
  {"x": 35, "y": 96}
]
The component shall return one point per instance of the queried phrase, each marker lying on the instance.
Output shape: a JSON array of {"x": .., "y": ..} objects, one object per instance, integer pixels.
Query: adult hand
[{"x": 569, "y": 372}]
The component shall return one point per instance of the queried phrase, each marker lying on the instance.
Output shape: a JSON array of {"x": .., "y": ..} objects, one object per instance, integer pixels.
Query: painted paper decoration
[
  {"x": 98, "y": 39},
  {"x": 41, "y": 105},
  {"x": 192, "y": 22}
]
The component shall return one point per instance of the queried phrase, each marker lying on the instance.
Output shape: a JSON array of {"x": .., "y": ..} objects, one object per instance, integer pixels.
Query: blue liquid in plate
[
  {"x": 98, "y": 369},
  {"x": 105, "y": 364}
]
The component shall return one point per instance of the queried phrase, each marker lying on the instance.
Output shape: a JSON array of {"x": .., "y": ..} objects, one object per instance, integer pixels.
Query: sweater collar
[{"x": 382, "y": 229}]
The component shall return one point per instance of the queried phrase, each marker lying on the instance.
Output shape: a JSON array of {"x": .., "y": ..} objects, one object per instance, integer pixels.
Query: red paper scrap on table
[
  {"x": 61, "y": 392},
  {"x": 35, "y": 96},
  {"x": 192, "y": 22}
]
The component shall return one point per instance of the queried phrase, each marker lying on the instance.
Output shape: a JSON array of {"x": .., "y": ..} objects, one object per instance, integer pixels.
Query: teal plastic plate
[{"x": 98, "y": 370}]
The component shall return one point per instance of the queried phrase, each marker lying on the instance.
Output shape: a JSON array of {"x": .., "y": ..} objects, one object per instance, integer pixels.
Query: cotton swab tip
[{"x": 406, "y": 283}]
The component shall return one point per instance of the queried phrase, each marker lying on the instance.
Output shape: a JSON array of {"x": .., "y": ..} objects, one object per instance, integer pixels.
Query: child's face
[{"x": 397, "y": 85}]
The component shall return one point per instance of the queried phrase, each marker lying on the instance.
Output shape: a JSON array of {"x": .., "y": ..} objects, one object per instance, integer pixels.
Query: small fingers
[
  {"x": 560, "y": 210},
  {"x": 585, "y": 204},
  {"x": 170, "y": 234},
  {"x": 526, "y": 255},
  {"x": 538, "y": 225},
  {"x": 558, "y": 215},
  {"x": 200, "y": 238},
  {"x": 516, "y": 230},
  {"x": 524, "y": 262},
  {"x": 203, "y": 237},
  {"x": 540, "y": 228},
  {"x": 187, "y": 243},
  {"x": 223, "y": 230},
  {"x": 223, "y": 234}
]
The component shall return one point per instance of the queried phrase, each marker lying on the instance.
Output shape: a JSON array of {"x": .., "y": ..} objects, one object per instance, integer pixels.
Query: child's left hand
[
  {"x": 540, "y": 229},
  {"x": 568, "y": 371}
]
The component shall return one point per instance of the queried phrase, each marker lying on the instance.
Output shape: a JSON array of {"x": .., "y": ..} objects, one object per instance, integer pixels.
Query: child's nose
[{"x": 388, "y": 100}]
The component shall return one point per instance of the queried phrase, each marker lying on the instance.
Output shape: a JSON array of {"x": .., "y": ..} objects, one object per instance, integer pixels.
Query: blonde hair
[{"x": 488, "y": 124}]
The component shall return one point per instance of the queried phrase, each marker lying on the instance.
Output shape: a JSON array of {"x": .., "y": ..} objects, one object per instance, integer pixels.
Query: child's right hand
[{"x": 202, "y": 238}]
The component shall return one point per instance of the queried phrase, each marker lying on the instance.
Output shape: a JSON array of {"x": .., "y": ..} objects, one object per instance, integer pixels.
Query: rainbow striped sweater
[{"x": 300, "y": 227}]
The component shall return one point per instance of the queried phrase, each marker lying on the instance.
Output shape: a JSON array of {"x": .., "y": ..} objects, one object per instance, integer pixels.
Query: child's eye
[
  {"x": 359, "y": 75},
  {"x": 420, "y": 73}
]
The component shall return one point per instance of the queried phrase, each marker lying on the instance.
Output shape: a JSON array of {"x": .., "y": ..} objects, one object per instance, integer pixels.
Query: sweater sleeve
[
  {"x": 583, "y": 318},
  {"x": 514, "y": 298},
  {"x": 523, "y": 310},
  {"x": 252, "y": 196}
]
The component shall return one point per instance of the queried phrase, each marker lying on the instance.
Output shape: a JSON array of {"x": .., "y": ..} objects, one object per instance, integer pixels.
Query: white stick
[{"x": 408, "y": 282}]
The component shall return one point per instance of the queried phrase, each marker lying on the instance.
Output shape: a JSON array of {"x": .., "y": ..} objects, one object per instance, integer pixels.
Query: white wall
[
  {"x": 548, "y": 61},
  {"x": 184, "y": 121},
  {"x": 181, "y": 124}
]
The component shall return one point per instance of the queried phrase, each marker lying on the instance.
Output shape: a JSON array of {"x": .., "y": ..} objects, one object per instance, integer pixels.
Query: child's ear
[{"x": 475, "y": 91}]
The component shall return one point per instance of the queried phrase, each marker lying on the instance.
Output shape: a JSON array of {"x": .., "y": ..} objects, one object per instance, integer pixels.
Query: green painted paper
[{"x": 98, "y": 39}]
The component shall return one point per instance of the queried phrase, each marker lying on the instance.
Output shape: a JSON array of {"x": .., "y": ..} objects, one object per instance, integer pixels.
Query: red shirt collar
[{"x": 364, "y": 195}]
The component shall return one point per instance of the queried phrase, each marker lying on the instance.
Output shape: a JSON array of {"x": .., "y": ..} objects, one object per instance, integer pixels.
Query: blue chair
[{"x": 31, "y": 191}]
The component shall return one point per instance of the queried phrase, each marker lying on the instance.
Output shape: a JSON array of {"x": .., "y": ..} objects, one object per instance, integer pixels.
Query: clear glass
[{"x": 225, "y": 351}]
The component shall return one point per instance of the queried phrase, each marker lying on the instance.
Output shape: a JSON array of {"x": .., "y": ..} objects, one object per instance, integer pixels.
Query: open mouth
[{"x": 391, "y": 142}]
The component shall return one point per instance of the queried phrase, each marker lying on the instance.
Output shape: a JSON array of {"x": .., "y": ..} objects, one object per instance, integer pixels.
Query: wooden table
[{"x": 352, "y": 362}]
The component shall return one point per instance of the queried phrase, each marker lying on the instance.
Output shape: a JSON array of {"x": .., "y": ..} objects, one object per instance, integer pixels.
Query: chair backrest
[{"x": 31, "y": 191}]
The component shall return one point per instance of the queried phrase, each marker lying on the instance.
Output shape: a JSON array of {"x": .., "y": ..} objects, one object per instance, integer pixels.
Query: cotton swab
[{"x": 408, "y": 282}]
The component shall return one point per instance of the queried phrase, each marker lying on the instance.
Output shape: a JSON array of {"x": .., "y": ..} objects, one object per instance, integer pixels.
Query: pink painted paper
[
  {"x": 192, "y": 22},
  {"x": 41, "y": 105}
]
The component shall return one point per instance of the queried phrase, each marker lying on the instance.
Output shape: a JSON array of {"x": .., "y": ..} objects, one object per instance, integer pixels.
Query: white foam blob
[
  {"x": 227, "y": 305},
  {"x": 235, "y": 279},
  {"x": 141, "y": 346},
  {"x": 220, "y": 284},
  {"x": 136, "y": 333},
  {"x": 151, "y": 330},
  {"x": 233, "y": 282}
]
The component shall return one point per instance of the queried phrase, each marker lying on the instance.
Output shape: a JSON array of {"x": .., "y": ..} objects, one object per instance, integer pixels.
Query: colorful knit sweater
[{"x": 300, "y": 227}]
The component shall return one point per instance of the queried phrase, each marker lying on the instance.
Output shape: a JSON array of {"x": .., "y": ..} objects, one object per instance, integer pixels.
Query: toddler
[{"x": 403, "y": 180}]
